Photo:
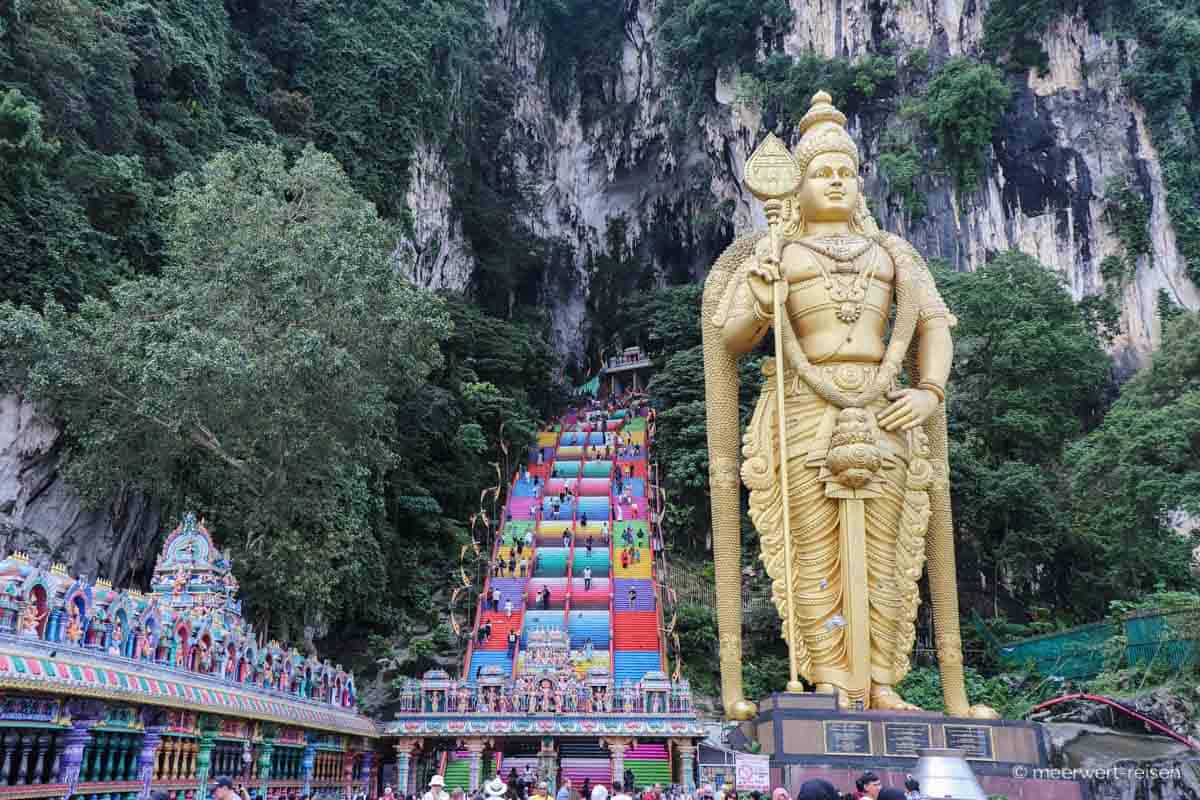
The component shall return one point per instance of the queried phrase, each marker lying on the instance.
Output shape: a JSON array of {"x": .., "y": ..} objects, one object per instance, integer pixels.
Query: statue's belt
[{"x": 848, "y": 376}]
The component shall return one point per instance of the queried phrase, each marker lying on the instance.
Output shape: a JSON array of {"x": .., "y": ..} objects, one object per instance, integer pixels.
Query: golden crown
[
  {"x": 824, "y": 131},
  {"x": 103, "y": 583},
  {"x": 21, "y": 556},
  {"x": 59, "y": 569}
]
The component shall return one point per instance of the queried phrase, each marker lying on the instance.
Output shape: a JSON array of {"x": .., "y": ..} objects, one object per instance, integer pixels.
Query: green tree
[
  {"x": 258, "y": 377},
  {"x": 700, "y": 38},
  {"x": 1029, "y": 375},
  {"x": 964, "y": 103},
  {"x": 1135, "y": 480}
]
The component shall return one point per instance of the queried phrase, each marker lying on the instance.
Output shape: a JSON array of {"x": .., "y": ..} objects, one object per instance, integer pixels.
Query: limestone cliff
[
  {"x": 44, "y": 516},
  {"x": 1068, "y": 134}
]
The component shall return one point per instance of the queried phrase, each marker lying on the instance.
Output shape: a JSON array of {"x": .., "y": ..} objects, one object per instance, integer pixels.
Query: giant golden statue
[{"x": 849, "y": 517}]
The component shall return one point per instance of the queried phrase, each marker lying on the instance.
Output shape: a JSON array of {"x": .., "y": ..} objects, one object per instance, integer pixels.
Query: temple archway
[{"x": 38, "y": 593}]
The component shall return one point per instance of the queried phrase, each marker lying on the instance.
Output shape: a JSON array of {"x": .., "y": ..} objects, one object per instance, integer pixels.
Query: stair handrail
[
  {"x": 612, "y": 581},
  {"x": 465, "y": 672},
  {"x": 1149, "y": 721}
]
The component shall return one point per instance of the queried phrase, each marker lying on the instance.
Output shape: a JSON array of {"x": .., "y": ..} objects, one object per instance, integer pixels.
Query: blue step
[
  {"x": 633, "y": 665},
  {"x": 486, "y": 658},
  {"x": 538, "y": 620},
  {"x": 594, "y": 625}
]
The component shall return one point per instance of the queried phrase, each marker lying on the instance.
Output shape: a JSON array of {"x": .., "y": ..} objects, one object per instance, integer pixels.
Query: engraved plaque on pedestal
[
  {"x": 976, "y": 740},
  {"x": 847, "y": 738},
  {"x": 906, "y": 738}
]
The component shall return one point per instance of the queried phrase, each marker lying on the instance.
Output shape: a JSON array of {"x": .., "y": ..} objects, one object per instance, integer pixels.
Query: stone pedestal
[{"x": 806, "y": 736}]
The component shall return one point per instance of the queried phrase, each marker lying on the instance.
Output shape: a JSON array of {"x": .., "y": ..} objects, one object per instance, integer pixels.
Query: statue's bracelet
[
  {"x": 765, "y": 316},
  {"x": 933, "y": 387}
]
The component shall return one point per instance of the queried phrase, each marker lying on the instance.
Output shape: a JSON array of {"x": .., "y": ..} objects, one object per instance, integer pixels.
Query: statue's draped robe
[{"x": 896, "y": 518}]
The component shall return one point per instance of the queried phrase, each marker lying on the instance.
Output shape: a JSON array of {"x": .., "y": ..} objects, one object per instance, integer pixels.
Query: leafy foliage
[
  {"x": 902, "y": 168},
  {"x": 1029, "y": 375},
  {"x": 259, "y": 372},
  {"x": 964, "y": 103},
  {"x": 282, "y": 378},
  {"x": 1162, "y": 77},
  {"x": 1136, "y": 477},
  {"x": 701, "y": 38}
]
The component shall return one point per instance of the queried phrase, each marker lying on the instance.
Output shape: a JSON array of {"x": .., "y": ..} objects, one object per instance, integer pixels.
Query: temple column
[
  {"x": 114, "y": 746},
  {"x": 10, "y": 746},
  {"x": 687, "y": 763},
  {"x": 548, "y": 764},
  {"x": 40, "y": 748},
  {"x": 23, "y": 758},
  {"x": 264, "y": 765},
  {"x": 474, "y": 748},
  {"x": 56, "y": 741},
  {"x": 204, "y": 750},
  {"x": 368, "y": 764},
  {"x": 73, "y": 745},
  {"x": 617, "y": 747},
  {"x": 404, "y": 751},
  {"x": 347, "y": 772},
  {"x": 307, "y": 765},
  {"x": 147, "y": 760},
  {"x": 169, "y": 745}
]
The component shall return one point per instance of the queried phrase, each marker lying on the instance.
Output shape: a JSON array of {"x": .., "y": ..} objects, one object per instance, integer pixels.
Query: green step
[
  {"x": 647, "y": 772},
  {"x": 458, "y": 774},
  {"x": 550, "y": 563},
  {"x": 596, "y": 469}
]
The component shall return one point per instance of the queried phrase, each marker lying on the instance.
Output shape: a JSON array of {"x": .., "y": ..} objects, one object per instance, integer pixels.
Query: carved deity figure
[
  {"x": 30, "y": 622},
  {"x": 179, "y": 582},
  {"x": 117, "y": 639},
  {"x": 203, "y": 656},
  {"x": 862, "y": 468},
  {"x": 74, "y": 629},
  {"x": 142, "y": 647}
]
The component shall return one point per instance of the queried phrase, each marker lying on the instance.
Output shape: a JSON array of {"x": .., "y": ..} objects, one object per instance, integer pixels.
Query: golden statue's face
[{"x": 830, "y": 189}]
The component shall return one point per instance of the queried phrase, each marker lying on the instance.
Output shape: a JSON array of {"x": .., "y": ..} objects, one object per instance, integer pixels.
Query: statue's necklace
[
  {"x": 850, "y": 295},
  {"x": 838, "y": 246}
]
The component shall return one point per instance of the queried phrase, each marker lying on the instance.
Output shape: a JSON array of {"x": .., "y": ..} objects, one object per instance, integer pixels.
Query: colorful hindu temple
[
  {"x": 109, "y": 694},
  {"x": 567, "y": 672},
  {"x": 106, "y": 694}
]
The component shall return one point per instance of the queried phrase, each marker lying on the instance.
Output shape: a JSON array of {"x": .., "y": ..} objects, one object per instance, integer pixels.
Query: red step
[
  {"x": 500, "y": 627},
  {"x": 635, "y": 630}
]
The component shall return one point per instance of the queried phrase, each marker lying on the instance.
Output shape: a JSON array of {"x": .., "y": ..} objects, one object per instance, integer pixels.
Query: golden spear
[{"x": 771, "y": 175}]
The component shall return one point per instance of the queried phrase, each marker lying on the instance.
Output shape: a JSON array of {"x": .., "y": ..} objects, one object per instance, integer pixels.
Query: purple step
[
  {"x": 645, "y": 594},
  {"x": 510, "y": 589}
]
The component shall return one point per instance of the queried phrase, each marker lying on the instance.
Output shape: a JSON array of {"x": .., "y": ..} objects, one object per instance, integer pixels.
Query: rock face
[
  {"x": 44, "y": 516},
  {"x": 1068, "y": 134},
  {"x": 1124, "y": 759}
]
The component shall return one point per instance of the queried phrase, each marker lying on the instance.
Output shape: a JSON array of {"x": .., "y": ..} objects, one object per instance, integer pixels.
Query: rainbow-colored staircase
[{"x": 579, "y": 523}]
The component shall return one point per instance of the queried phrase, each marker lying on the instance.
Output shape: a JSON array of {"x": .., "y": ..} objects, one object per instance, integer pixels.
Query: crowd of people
[
  {"x": 547, "y": 693},
  {"x": 527, "y": 785}
]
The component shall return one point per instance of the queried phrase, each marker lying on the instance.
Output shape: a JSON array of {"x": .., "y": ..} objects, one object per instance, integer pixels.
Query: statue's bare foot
[
  {"x": 843, "y": 701},
  {"x": 741, "y": 710},
  {"x": 981, "y": 711},
  {"x": 884, "y": 698}
]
